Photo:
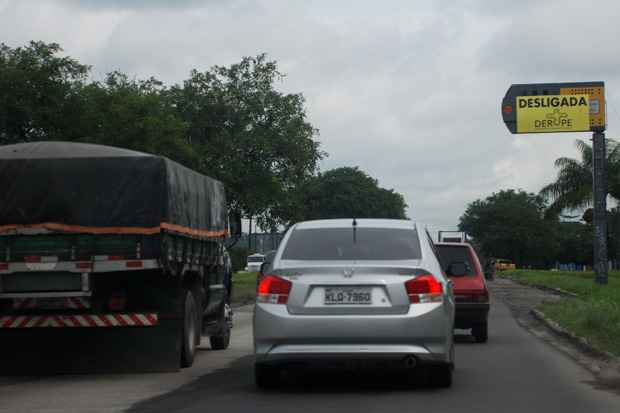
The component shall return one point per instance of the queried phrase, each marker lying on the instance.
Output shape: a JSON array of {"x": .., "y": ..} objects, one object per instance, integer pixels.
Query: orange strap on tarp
[
  {"x": 54, "y": 226},
  {"x": 191, "y": 231}
]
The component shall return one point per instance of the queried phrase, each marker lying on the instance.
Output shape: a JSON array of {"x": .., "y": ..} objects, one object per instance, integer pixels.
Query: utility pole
[{"x": 599, "y": 178}]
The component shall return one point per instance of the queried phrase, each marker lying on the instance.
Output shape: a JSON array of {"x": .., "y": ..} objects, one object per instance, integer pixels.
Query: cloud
[
  {"x": 558, "y": 42},
  {"x": 408, "y": 91},
  {"x": 139, "y": 4}
]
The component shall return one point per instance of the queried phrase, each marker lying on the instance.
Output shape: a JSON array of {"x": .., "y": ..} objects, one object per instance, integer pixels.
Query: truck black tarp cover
[{"x": 100, "y": 189}]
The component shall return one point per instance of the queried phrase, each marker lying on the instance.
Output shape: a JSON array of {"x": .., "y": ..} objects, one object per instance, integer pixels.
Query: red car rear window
[{"x": 449, "y": 254}]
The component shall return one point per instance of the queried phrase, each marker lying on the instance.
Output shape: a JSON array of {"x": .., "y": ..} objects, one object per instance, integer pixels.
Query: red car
[{"x": 460, "y": 263}]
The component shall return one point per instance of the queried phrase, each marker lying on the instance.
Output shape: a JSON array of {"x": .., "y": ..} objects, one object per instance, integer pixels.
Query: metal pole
[{"x": 599, "y": 177}]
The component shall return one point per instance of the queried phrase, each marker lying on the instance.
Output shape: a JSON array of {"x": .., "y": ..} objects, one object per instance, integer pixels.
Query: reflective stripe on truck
[
  {"x": 75, "y": 303},
  {"x": 80, "y": 320},
  {"x": 100, "y": 263}
]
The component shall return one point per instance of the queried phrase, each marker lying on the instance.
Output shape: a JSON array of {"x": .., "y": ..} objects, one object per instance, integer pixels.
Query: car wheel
[
  {"x": 221, "y": 341},
  {"x": 189, "y": 331},
  {"x": 266, "y": 377},
  {"x": 481, "y": 332},
  {"x": 441, "y": 376}
]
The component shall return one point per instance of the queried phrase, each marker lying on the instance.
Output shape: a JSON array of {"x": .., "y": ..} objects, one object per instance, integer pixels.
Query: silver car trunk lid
[{"x": 349, "y": 289}]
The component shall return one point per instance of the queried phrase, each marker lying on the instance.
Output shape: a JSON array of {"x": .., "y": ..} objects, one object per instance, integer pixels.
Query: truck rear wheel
[
  {"x": 189, "y": 331},
  {"x": 221, "y": 340}
]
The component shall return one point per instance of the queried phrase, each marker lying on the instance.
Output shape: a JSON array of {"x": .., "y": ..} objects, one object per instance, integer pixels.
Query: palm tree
[{"x": 573, "y": 187}]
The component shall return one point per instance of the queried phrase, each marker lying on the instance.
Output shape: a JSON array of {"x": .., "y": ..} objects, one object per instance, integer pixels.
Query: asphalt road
[{"x": 513, "y": 372}]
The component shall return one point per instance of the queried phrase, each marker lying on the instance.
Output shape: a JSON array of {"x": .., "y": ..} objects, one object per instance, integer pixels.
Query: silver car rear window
[{"x": 347, "y": 244}]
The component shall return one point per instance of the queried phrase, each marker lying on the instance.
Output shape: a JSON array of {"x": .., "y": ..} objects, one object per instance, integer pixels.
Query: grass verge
[
  {"x": 244, "y": 288},
  {"x": 594, "y": 315}
]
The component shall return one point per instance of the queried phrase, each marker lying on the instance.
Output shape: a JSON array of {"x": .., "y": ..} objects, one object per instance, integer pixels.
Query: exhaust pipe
[{"x": 410, "y": 362}]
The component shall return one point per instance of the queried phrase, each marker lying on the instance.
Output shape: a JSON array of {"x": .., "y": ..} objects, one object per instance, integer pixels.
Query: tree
[
  {"x": 249, "y": 135},
  {"x": 348, "y": 193},
  {"x": 227, "y": 122},
  {"x": 39, "y": 93},
  {"x": 574, "y": 243},
  {"x": 134, "y": 114},
  {"x": 573, "y": 187},
  {"x": 510, "y": 224}
]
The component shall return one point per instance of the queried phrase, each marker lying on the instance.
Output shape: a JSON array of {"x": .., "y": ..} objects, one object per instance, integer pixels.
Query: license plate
[{"x": 348, "y": 296}]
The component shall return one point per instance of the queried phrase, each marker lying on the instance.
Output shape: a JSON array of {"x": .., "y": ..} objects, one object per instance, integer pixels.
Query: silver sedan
[{"x": 348, "y": 290}]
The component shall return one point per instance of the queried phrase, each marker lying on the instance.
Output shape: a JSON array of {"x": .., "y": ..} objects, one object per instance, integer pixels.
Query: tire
[
  {"x": 221, "y": 341},
  {"x": 189, "y": 331},
  {"x": 481, "y": 332},
  {"x": 441, "y": 376},
  {"x": 266, "y": 377}
]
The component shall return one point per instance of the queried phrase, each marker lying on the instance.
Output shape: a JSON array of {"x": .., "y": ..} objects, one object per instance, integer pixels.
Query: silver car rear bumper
[{"x": 424, "y": 332}]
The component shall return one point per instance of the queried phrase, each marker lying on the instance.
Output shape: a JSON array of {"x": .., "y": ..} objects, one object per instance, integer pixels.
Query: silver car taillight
[
  {"x": 424, "y": 289},
  {"x": 273, "y": 290}
]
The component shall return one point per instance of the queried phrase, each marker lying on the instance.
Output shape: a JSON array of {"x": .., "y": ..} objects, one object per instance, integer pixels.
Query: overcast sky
[{"x": 408, "y": 90}]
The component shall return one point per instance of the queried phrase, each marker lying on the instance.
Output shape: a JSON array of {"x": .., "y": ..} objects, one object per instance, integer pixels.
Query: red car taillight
[
  {"x": 481, "y": 297},
  {"x": 273, "y": 290},
  {"x": 424, "y": 289}
]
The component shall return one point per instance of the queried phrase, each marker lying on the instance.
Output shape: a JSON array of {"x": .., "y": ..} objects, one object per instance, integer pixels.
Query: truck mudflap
[{"x": 80, "y": 320}]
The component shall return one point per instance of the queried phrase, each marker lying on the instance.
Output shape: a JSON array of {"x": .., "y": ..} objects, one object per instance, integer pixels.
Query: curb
[
  {"x": 580, "y": 342},
  {"x": 557, "y": 291},
  {"x": 241, "y": 304}
]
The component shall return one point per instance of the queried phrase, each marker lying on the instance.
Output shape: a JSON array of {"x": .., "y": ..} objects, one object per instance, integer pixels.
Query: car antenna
[{"x": 354, "y": 231}]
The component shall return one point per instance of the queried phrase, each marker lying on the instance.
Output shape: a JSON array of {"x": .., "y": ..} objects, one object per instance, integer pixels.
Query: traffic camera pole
[
  {"x": 580, "y": 107},
  {"x": 599, "y": 177}
]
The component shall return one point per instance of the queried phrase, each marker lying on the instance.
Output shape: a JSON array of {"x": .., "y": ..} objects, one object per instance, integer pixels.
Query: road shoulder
[{"x": 523, "y": 301}]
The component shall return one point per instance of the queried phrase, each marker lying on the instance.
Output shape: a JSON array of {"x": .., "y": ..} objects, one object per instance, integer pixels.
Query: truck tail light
[
  {"x": 134, "y": 264},
  {"x": 424, "y": 289},
  {"x": 85, "y": 265},
  {"x": 117, "y": 301},
  {"x": 273, "y": 290}
]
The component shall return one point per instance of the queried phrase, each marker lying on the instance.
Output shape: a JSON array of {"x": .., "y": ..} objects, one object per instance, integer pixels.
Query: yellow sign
[
  {"x": 553, "y": 113},
  {"x": 597, "y": 102}
]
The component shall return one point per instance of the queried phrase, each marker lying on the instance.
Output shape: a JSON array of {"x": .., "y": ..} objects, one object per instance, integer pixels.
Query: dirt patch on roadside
[{"x": 522, "y": 299}]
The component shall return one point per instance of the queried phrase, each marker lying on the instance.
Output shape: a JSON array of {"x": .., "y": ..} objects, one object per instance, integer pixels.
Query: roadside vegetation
[
  {"x": 244, "y": 288},
  {"x": 232, "y": 123},
  {"x": 553, "y": 226},
  {"x": 594, "y": 315}
]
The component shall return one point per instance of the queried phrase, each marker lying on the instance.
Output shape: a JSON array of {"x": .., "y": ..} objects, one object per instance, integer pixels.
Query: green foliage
[
  {"x": 244, "y": 287},
  {"x": 573, "y": 187},
  {"x": 510, "y": 224},
  {"x": 573, "y": 243},
  {"x": 228, "y": 122},
  {"x": 346, "y": 193},
  {"x": 595, "y": 315},
  {"x": 132, "y": 114},
  {"x": 40, "y": 93},
  {"x": 249, "y": 135},
  {"x": 239, "y": 258}
]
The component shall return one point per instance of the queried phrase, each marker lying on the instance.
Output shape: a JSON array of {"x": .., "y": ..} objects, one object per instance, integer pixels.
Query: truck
[{"x": 110, "y": 250}]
